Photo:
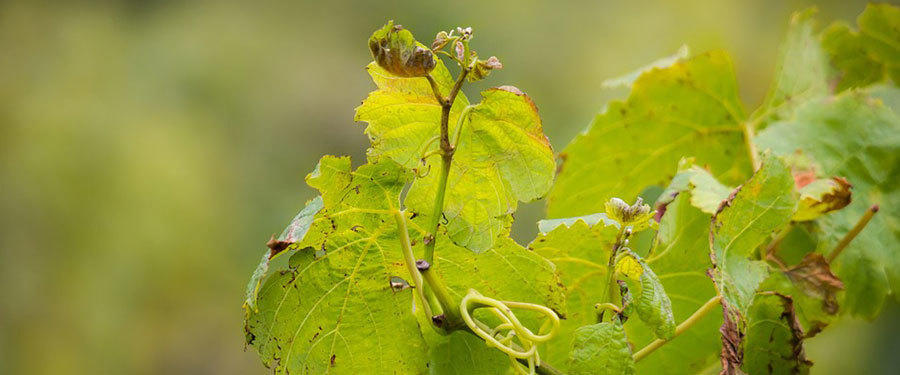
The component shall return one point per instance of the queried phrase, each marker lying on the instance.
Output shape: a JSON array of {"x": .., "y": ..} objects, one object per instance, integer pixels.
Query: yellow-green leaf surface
[
  {"x": 688, "y": 109},
  {"x": 801, "y": 73},
  {"x": 681, "y": 260},
  {"x": 774, "y": 339},
  {"x": 331, "y": 309},
  {"x": 867, "y": 55},
  {"x": 765, "y": 203},
  {"x": 858, "y": 138},
  {"x": 502, "y": 156},
  {"x": 599, "y": 349},
  {"x": 581, "y": 254}
]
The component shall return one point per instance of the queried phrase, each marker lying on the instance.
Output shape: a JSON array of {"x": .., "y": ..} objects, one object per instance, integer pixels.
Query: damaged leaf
[
  {"x": 813, "y": 276},
  {"x": 774, "y": 339},
  {"x": 821, "y": 197}
]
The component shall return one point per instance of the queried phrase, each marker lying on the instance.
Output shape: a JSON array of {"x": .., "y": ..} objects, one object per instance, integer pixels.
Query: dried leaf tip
[{"x": 397, "y": 51}]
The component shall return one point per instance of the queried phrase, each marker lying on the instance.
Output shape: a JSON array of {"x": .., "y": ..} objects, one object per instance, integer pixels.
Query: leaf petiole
[
  {"x": 863, "y": 221},
  {"x": 684, "y": 326}
]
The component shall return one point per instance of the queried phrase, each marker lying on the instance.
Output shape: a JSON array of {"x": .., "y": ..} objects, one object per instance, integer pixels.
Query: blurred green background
[{"x": 148, "y": 149}]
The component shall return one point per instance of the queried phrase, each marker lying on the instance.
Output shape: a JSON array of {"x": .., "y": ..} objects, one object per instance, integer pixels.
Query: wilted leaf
[
  {"x": 813, "y": 276},
  {"x": 397, "y": 51},
  {"x": 821, "y": 197}
]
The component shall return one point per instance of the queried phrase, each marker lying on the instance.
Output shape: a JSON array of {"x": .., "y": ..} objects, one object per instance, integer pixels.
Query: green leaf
[
  {"x": 801, "y": 73},
  {"x": 548, "y": 225},
  {"x": 628, "y": 79},
  {"x": 849, "y": 56},
  {"x": 507, "y": 272},
  {"x": 332, "y": 308},
  {"x": 680, "y": 261},
  {"x": 403, "y": 116},
  {"x": 879, "y": 26},
  {"x": 870, "y": 54},
  {"x": 857, "y": 138},
  {"x": 764, "y": 204},
  {"x": 707, "y": 193},
  {"x": 462, "y": 353},
  {"x": 601, "y": 349},
  {"x": 688, "y": 109},
  {"x": 774, "y": 339},
  {"x": 294, "y": 233},
  {"x": 581, "y": 254},
  {"x": 502, "y": 156},
  {"x": 653, "y": 305}
]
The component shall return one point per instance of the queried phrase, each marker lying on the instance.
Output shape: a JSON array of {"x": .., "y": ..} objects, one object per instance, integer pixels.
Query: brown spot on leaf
[
  {"x": 814, "y": 277},
  {"x": 276, "y": 246}
]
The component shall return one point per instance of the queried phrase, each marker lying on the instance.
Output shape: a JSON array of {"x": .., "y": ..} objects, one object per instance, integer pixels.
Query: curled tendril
[{"x": 510, "y": 336}]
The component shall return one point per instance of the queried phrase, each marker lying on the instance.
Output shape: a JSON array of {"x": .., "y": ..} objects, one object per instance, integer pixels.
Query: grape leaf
[
  {"x": 502, "y": 156},
  {"x": 689, "y": 108},
  {"x": 765, "y": 203},
  {"x": 879, "y": 25},
  {"x": 653, "y": 304},
  {"x": 681, "y": 260},
  {"x": 601, "y": 349},
  {"x": 857, "y": 138},
  {"x": 581, "y": 254},
  {"x": 287, "y": 240},
  {"x": 332, "y": 308},
  {"x": 627, "y": 80},
  {"x": 707, "y": 193},
  {"x": 774, "y": 340},
  {"x": 868, "y": 55},
  {"x": 801, "y": 73},
  {"x": 461, "y": 353}
]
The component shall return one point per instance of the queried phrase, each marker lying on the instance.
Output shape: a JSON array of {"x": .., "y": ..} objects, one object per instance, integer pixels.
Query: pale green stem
[
  {"x": 863, "y": 221},
  {"x": 684, "y": 326},
  {"x": 410, "y": 260},
  {"x": 751, "y": 147}
]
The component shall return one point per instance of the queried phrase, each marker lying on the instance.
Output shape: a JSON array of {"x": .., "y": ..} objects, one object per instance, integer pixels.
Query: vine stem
[
  {"x": 447, "y": 151},
  {"x": 863, "y": 221},
  {"x": 611, "y": 286},
  {"x": 684, "y": 326},
  {"x": 410, "y": 260},
  {"x": 751, "y": 147}
]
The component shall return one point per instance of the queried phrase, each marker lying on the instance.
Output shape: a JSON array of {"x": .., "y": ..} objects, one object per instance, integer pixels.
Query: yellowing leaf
[{"x": 629, "y": 267}]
